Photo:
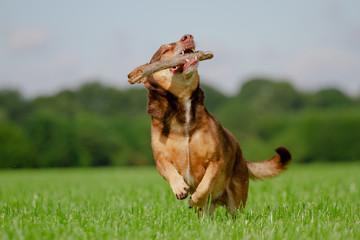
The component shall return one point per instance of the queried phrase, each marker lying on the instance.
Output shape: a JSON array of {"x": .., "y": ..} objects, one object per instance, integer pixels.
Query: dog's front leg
[
  {"x": 176, "y": 181},
  {"x": 200, "y": 197}
]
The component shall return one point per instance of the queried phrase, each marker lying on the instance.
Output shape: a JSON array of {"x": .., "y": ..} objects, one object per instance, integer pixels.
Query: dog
[{"x": 192, "y": 150}]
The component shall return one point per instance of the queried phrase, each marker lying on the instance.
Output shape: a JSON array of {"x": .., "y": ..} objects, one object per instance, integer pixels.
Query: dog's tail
[{"x": 271, "y": 167}]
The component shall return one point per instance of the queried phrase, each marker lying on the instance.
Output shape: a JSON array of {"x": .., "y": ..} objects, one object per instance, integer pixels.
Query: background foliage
[{"x": 97, "y": 125}]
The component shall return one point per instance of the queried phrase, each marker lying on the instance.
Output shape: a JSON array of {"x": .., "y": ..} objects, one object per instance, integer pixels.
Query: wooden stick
[{"x": 147, "y": 69}]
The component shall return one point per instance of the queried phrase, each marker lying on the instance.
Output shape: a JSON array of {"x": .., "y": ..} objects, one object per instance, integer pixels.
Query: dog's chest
[
  {"x": 189, "y": 154},
  {"x": 188, "y": 176}
]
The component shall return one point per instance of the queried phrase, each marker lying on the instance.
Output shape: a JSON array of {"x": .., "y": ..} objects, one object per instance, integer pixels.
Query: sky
[{"x": 47, "y": 46}]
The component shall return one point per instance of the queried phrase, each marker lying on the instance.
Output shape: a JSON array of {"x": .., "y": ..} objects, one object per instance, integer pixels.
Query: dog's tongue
[
  {"x": 184, "y": 66},
  {"x": 177, "y": 69},
  {"x": 189, "y": 63}
]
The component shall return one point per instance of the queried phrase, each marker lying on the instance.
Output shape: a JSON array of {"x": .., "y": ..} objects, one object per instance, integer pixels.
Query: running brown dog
[{"x": 193, "y": 152}]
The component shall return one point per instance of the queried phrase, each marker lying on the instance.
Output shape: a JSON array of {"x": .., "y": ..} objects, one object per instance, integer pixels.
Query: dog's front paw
[
  {"x": 181, "y": 190},
  {"x": 196, "y": 202}
]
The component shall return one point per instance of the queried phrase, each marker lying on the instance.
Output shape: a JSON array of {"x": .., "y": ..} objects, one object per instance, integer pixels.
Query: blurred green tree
[
  {"x": 331, "y": 136},
  {"x": 267, "y": 95},
  {"x": 97, "y": 125},
  {"x": 53, "y": 139},
  {"x": 15, "y": 148},
  {"x": 14, "y": 104},
  {"x": 329, "y": 98}
]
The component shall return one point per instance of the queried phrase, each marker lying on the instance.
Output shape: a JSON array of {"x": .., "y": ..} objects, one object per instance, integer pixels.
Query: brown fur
[{"x": 193, "y": 152}]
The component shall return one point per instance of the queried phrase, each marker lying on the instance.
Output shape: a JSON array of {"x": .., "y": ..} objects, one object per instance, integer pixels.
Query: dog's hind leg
[
  {"x": 212, "y": 208},
  {"x": 237, "y": 190}
]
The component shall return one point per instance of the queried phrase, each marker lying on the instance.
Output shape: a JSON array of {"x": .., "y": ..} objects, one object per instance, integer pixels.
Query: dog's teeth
[
  {"x": 196, "y": 57},
  {"x": 187, "y": 60},
  {"x": 183, "y": 52}
]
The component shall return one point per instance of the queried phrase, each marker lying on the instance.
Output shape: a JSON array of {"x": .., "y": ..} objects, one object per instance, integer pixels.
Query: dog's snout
[{"x": 187, "y": 38}]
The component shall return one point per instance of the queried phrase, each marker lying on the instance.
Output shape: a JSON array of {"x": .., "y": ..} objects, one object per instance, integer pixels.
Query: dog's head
[{"x": 182, "y": 80}]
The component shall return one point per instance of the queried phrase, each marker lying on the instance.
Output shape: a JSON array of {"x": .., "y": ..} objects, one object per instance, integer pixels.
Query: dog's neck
[{"x": 169, "y": 112}]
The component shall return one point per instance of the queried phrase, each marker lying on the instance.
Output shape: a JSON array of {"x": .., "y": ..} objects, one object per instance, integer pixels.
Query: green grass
[{"x": 307, "y": 202}]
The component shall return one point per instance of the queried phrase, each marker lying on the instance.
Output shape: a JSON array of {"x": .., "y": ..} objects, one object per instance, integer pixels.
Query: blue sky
[{"x": 46, "y": 46}]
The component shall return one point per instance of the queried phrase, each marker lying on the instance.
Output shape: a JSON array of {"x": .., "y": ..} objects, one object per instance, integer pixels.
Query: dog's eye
[{"x": 165, "y": 51}]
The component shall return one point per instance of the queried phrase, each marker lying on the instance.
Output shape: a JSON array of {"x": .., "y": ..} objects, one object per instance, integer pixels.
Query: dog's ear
[{"x": 136, "y": 73}]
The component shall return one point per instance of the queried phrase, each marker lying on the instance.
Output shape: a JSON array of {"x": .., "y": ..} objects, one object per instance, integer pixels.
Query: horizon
[{"x": 140, "y": 87}]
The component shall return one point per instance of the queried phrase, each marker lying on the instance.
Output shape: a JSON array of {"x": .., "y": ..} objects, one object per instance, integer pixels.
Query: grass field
[{"x": 319, "y": 201}]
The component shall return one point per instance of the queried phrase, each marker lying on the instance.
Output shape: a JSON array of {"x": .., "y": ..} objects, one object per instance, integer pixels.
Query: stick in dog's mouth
[{"x": 175, "y": 61}]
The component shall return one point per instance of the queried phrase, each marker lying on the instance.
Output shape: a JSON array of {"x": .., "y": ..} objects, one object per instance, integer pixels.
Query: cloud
[
  {"x": 21, "y": 40},
  {"x": 354, "y": 38},
  {"x": 42, "y": 76},
  {"x": 319, "y": 68}
]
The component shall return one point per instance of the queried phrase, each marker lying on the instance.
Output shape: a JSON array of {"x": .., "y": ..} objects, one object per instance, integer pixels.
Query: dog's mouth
[{"x": 189, "y": 62}]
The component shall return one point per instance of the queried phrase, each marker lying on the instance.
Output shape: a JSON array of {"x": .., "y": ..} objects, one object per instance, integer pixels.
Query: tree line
[{"x": 98, "y": 125}]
